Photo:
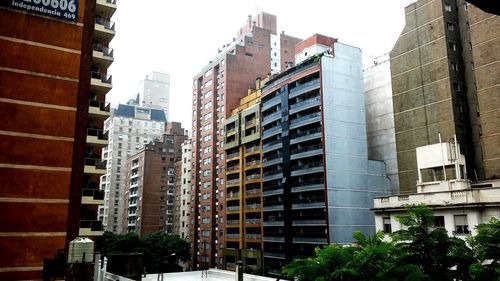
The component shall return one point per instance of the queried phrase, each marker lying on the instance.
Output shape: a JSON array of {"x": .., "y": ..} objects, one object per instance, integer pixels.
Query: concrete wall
[{"x": 380, "y": 130}]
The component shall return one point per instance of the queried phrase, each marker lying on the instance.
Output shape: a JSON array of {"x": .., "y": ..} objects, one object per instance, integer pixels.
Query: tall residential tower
[{"x": 256, "y": 51}]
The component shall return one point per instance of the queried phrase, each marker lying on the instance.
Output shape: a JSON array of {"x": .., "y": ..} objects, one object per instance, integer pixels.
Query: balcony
[
  {"x": 233, "y": 209},
  {"x": 251, "y": 123},
  {"x": 252, "y": 149},
  {"x": 252, "y": 191},
  {"x": 306, "y": 204},
  {"x": 273, "y": 175},
  {"x": 274, "y": 255},
  {"x": 106, "y": 8},
  {"x": 233, "y": 169},
  {"x": 272, "y": 145},
  {"x": 306, "y": 135},
  {"x": 310, "y": 240},
  {"x": 232, "y": 182},
  {"x": 310, "y": 222},
  {"x": 304, "y": 88},
  {"x": 304, "y": 104},
  {"x": 97, "y": 138},
  {"x": 252, "y": 164},
  {"x": 253, "y": 177},
  {"x": 275, "y": 239},
  {"x": 230, "y": 132},
  {"x": 276, "y": 190},
  {"x": 93, "y": 166},
  {"x": 271, "y": 117},
  {"x": 309, "y": 185},
  {"x": 132, "y": 203},
  {"x": 309, "y": 168},
  {"x": 270, "y": 103},
  {"x": 307, "y": 151},
  {"x": 104, "y": 29},
  {"x": 232, "y": 235},
  {"x": 100, "y": 83},
  {"x": 272, "y": 160},
  {"x": 99, "y": 109},
  {"x": 233, "y": 195},
  {"x": 90, "y": 228},
  {"x": 273, "y": 208},
  {"x": 233, "y": 222},
  {"x": 232, "y": 156},
  {"x": 252, "y": 236},
  {"x": 92, "y": 196},
  {"x": 274, "y": 223},
  {"x": 102, "y": 56},
  {"x": 271, "y": 132},
  {"x": 305, "y": 120},
  {"x": 252, "y": 221},
  {"x": 252, "y": 207}
]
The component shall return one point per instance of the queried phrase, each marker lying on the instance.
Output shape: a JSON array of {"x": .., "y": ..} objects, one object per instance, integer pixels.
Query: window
[
  {"x": 447, "y": 7},
  {"x": 387, "y": 225},
  {"x": 452, "y": 46},
  {"x": 439, "y": 221},
  {"x": 450, "y": 26},
  {"x": 454, "y": 66},
  {"x": 461, "y": 224}
]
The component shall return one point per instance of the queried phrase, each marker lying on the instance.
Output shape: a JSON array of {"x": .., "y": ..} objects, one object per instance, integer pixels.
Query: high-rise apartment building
[
  {"x": 154, "y": 91},
  {"x": 149, "y": 195},
  {"x": 182, "y": 193},
  {"x": 318, "y": 184},
  {"x": 445, "y": 81},
  {"x": 380, "y": 131},
  {"x": 218, "y": 88},
  {"x": 129, "y": 128},
  {"x": 243, "y": 237},
  {"x": 53, "y": 65}
]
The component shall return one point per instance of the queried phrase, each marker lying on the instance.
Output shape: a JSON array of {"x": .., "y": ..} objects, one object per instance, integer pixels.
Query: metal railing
[
  {"x": 252, "y": 221},
  {"x": 271, "y": 158},
  {"x": 104, "y": 78},
  {"x": 306, "y": 149},
  {"x": 233, "y": 168},
  {"x": 307, "y": 166},
  {"x": 233, "y": 208},
  {"x": 271, "y": 116},
  {"x": 252, "y": 163},
  {"x": 304, "y": 118},
  {"x": 306, "y": 133},
  {"x": 231, "y": 235},
  {"x": 252, "y": 149},
  {"x": 252, "y": 236},
  {"x": 253, "y": 177},
  {"x": 233, "y": 155},
  {"x": 304, "y": 102},
  {"x": 253, "y": 206},
  {"x": 273, "y": 172},
  {"x": 105, "y": 50},
  {"x": 311, "y": 84},
  {"x": 252, "y": 191},
  {"x": 233, "y": 181},
  {"x": 106, "y": 23}
]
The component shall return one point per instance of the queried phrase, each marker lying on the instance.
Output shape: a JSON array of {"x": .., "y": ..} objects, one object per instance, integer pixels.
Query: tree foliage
[
  {"x": 417, "y": 253},
  {"x": 157, "y": 249}
]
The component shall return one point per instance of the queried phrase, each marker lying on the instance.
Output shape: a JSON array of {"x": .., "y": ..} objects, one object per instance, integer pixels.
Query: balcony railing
[
  {"x": 104, "y": 78},
  {"x": 97, "y": 163},
  {"x": 252, "y": 191},
  {"x": 252, "y": 221},
  {"x": 100, "y": 104},
  {"x": 253, "y": 163},
  {"x": 253, "y": 177},
  {"x": 233, "y": 181},
  {"x": 232, "y": 235},
  {"x": 271, "y": 102},
  {"x": 233, "y": 208},
  {"x": 303, "y": 88},
  {"x": 306, "y": 149},
  {"x": 271, "y": 116},
  {"x": 271, "y": 158},
  {"x": 105, "y": 50},
  {"x": 233, "y": 195},
  {"x": 233, "y": 155},
  {"x": 271, "y": 131},
  {"x": 94, "y": 225},
  {"x": 304, "y": 118},
  {"x": 253, "y": 206},
  {"x": 252, "y": 236},
  {"x": 233, "y": 222},
  {"x": 271, "y": 143},
  {"x": 96, "y": 194},
  {"x": 252, "y": 149},
  {"x": 99, "y": 134},
  {"x": 274, "y": 255},
  {"x": 305, "y": 102},
  {"x": 307, "y": 166},
  {"x": 273, "y": 172},
  {"x": 250, "y": 123},
  {"x": 233, "y": 168},
  {"x": 306, "y": 133},
  {"x": 106, "y": 23}
]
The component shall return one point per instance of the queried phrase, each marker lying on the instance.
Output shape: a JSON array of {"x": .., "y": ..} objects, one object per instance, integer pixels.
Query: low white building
[{"x": 459, "y": 204}]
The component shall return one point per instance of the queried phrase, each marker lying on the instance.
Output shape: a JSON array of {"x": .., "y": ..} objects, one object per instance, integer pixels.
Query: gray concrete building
[
  {"x": 380, "y": 131},
  {"x": 154, "y": 91},
  {"x": 445, "y": 80}
]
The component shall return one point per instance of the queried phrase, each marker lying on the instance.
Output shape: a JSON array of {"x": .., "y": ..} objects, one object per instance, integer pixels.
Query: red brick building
[
  {"x": 53, "y": 65},
  {"x": 256, "y": 51},
  {"x": 149, "y": 195}
]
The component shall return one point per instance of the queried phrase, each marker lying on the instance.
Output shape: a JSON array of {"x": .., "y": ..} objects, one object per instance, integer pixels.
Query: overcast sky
[{"x": 180, "y": 37}]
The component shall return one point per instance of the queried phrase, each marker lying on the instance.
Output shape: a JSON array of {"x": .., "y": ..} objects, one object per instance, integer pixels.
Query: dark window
[
  {"x": 461, "y": 224},
  {"x": 439, "y": 221},
  {"x": 387, "y": 225}
]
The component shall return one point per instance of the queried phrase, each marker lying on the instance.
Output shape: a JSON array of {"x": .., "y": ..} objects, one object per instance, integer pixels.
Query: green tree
[
  {"x": 486, "y": 248},
  {"x": 161, "y": 252}
]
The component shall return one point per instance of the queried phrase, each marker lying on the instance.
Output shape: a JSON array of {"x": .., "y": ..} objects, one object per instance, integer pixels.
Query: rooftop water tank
[{"x": 81, "y": 250}]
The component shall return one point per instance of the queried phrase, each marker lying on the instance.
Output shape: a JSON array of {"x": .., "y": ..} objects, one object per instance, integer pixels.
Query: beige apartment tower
[{"x": 445, "y": 81}]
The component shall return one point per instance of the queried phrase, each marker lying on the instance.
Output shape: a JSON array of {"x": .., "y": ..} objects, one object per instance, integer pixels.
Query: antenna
[{"x": 256, "y": 4}]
